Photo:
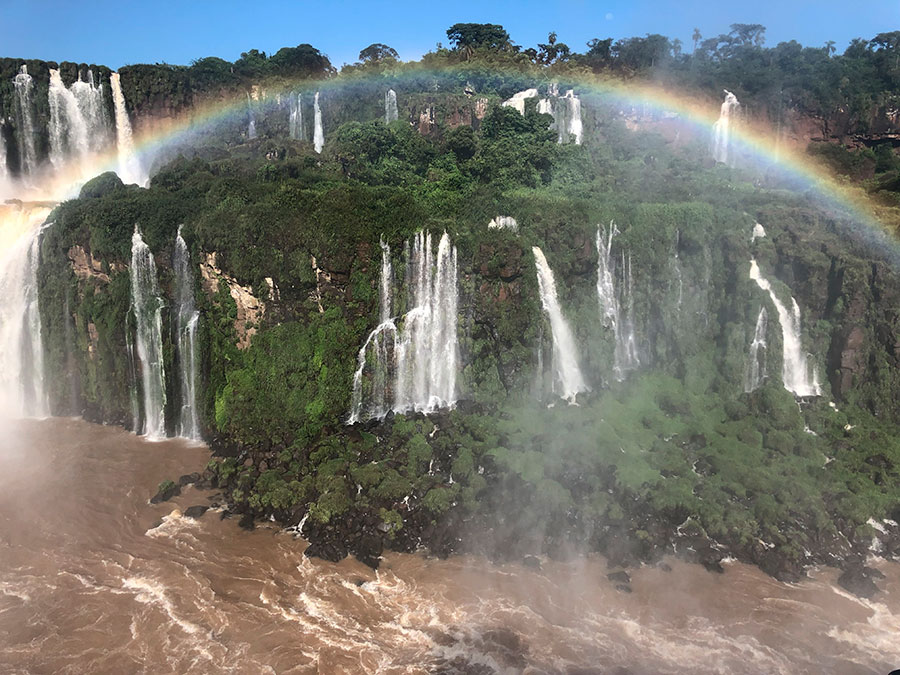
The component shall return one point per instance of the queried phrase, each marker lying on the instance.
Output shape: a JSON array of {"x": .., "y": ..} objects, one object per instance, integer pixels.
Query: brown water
[{"x": 91, "y": 581}]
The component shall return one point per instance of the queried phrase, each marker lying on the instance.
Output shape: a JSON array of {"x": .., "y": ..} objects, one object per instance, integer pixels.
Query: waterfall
[
  {"x": 147, "y": 304},
  {"x": 567, "y": 374},
  {"x": 24, "y": 111},
  {"x": 391, "y": 113},
  {"x": 798, "y": 375},
  {"x": 4, "y": 170},
  {"x": 426, "y": 350},
  {"x": 251, "y": 124},
  {"x": 625, "y": 355},
  {"x": 295, "y": 121},
  {"x": 721, "y": 141},
  {"x": 756, "y": 360},
  {"x": 677, "y": 272},
  {"x": 318, "y": 133},
  {"x": 130, "y": 170},
  {"x": 574, "y": 128},
  {"x": 411, "y": 361},
  {"x": 186, "y": 327},
  {"x": 518, "y": 99},
  {"x": 759, "y": 232},
  {"x": 68, "y": 127},
  {"x": 89, "y": 97},
  {"x": 22, "y": 391}
]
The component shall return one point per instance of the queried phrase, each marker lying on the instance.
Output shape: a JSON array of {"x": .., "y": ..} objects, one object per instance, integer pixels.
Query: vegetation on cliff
[{"x": 676, "y": 455}]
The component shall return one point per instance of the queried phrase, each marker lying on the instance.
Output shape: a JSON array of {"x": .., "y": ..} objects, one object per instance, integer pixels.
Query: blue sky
[{"x": 122, "y": 32}]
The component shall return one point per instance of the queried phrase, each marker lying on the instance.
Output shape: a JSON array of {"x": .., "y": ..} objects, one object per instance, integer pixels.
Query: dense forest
[{"x": 674, "y": 451}]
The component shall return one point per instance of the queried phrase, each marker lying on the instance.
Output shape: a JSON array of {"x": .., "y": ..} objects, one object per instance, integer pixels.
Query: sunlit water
[{"x": 95, "y": 579}]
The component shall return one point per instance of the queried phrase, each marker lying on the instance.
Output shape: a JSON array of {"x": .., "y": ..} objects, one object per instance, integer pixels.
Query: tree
[
  {"x": 748, "y": 34},
  {"x": 376, "y": 52},
  {"x": 304, "y": 60},
  {"x": 467, "y": 37},
  {"x": 552, "y": 52},
  {"x": 635, "y": 54},
  {"x": 599, "y": 54},
  {"x": 696, "y": 37},
  {"x": 252, "y": 64}
]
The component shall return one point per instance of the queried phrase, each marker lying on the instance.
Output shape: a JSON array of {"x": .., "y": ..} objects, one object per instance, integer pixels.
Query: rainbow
[{"x": 875, "y": 225}]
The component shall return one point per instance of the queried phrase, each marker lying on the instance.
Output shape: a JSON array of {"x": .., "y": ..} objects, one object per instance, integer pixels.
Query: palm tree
[{"x": 696, "y": 37}]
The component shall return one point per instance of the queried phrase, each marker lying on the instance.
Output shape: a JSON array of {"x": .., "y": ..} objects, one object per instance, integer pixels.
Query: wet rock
[
  {"x": 369, "y": 549},
  {"x": 188, "y": 479},
  {"x": 329, "y": 551},
  {"x": 531, "y": 562},
  {"x": 665, "y": 567},
  {"x": 195, "y": 511},
  {"x": 621, "y": 576},
  {"x": 246, "y": 522},
  {"x": 859, "y": 580},
  {"x": 623, "y": 588},
  {"x": 167, "y": 490}
]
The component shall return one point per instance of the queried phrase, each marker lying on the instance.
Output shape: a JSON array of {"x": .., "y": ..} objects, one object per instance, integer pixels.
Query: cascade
[
  {"x": 573, "y": 128},
  {"x": 133, "y": 394},
  {"x": 798, "y": 375},
  {"x": 677, "y": 272},
  {"x": 625, "y": 356},
  {"x": 503, "y": 223},
  {"x": 68, "y": 127},
  {"x": 318, "y": 133},
  {"x": 130, "y": 170},
  {"x": 518, "y": 99},
  {"x": 426, "y": 351},
  {"x": 756, "y": 360},
  {"x": 147, "y": 304},
  {"x": 24, "y": 111},
  {"x": 89, "y": 97},
  {"x": 295, "y": 121},
  {"x": 412, "y": 360},
  {"x": 759, "y": 232},
  {"x": 568, "y": 381},
  {"x": 4, "y": 170},
  {"x": 251, "y": 124},
  {"x": 186, "y": 327},
  {"x": 391, "y": 114},
  {"x": 721, "y": 141},
  {"x": 21, "y": 351}
]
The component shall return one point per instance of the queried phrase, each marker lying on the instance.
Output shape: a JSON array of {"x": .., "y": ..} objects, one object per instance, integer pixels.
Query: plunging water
[
  {"x": 426, "y": 350},
  {"x": 251, "y": 119},
  {"x": 625, "y": 354},
  {"x": 798, "y": 375},
  {"x": 4, "y": 169},
  {"x": 89, "y": 96},
  {"x": 295, "y": 118},
  {"x": 410, "y": 363},
  {"x": 22, "y": 391},
  {"x": 721, "y": 141},
  {"x": 574, "y": 129},
  {"x": 69, "y": 135},
  {"x": 187, "y": 318},
  {"x": 391, "y": 114},
  {"x": 147, "y": 304},
  {"x": 756, "y": 359},
  {"x": 130, "y": 170},
  {"x": 318, "y": 132},
  {"x": 567, "y": 378},
  {"x": 517, "y": 100},
  {"x": 24, "y": 111}
]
